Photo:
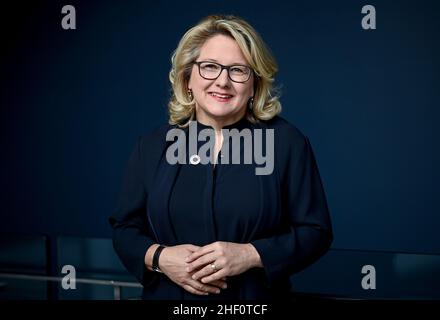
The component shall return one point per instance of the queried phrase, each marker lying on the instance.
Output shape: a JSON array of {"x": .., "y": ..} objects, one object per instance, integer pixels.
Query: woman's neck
[{"x": 219, "y": 123}]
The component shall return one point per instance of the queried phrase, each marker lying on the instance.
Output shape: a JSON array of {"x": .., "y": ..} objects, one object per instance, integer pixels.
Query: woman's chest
[{"x": 230, "y": 200}]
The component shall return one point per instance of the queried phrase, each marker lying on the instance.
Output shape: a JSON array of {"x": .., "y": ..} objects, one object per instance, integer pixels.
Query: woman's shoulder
[
  {"x": 153, "y": 140},
  {"x": 290, "y": 143},
  {"x": 156, "y": 132},
  {"x": 285, "y": 131}
]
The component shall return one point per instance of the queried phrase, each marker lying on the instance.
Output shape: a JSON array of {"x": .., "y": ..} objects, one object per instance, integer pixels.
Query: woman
[{"x": 216, "y": 229}]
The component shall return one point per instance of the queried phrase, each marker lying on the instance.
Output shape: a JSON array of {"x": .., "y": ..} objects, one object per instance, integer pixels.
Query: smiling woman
[
  {"x": 215, "y": 229},
  {"x": 214, "y": 86},
  {"x": 222, "y": 49}
]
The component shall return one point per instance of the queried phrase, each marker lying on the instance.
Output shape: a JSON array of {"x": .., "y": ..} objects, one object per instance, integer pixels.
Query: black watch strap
[{"x": 155, "y": 265}]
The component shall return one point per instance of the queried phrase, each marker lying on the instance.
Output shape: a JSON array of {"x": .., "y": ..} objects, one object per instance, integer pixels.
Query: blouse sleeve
[
  {"x": 305, "y": 208},
  {"x": 132, "y": 234}
]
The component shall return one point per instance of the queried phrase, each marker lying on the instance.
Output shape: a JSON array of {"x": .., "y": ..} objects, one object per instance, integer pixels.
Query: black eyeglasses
[{"x": 212, "y": 70}]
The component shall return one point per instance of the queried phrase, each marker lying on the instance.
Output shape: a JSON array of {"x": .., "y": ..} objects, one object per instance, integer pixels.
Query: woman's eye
[
  {"x": 210, "y": 67},
  {"x": 238, "y": 70}
]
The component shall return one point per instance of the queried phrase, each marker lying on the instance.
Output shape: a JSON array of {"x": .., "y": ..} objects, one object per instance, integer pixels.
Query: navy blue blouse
[
  {"x": 283, "y": 214},
  {"x": 206, "y": 190}
]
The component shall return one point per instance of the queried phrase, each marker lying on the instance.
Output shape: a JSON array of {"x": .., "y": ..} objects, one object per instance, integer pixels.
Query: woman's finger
[
  {"x": 201, "y": 261},
  {"x": 219, "y": 284},
  {"x": 214, "y": 276},
  {"x": 194, "y": 291},
  {"x": 205, "y": 271},
  {"x": 201, "y": 252},
  {"x": 204, "y": 287}
]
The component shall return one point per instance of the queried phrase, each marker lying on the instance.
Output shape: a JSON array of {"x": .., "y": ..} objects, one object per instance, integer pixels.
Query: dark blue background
[{"x": 74, "y": 102}]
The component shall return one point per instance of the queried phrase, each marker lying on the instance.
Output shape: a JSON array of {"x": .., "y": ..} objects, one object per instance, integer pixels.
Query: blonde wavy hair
[{"x": 266, "y": 104}]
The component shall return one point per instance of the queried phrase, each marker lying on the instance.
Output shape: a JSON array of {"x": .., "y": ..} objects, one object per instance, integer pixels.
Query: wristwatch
[{"x": 155, "y": 265}]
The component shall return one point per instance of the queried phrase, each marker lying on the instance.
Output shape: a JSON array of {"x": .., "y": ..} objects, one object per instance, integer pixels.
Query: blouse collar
[{"x": 239, "y": 124}]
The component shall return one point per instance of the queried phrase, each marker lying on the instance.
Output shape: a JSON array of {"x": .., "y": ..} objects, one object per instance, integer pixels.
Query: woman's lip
[
  {"x": 223, "y": 94},
  {"x": 220, "y": 99}
]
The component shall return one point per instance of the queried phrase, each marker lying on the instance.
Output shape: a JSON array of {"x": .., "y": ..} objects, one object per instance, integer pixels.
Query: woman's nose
[{"x": 223, "y": 78}]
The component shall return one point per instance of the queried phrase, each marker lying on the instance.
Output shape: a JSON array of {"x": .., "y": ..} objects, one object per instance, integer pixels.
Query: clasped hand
[{"x": 203, "y": 270}]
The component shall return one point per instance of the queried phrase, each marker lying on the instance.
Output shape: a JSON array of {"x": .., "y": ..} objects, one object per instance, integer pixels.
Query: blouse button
[{"x": 194, "y": 159}]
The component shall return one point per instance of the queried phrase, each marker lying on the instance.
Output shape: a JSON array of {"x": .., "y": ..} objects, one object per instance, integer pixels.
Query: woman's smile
[{"x": 221, "y": 97}]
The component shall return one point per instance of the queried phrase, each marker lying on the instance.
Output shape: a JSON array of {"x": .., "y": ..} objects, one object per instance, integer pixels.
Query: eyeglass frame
[{"x": 198, "y": 63}]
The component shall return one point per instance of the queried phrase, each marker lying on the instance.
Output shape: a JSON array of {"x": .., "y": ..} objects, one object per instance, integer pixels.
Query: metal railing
[{"x": 117, "y": 285}]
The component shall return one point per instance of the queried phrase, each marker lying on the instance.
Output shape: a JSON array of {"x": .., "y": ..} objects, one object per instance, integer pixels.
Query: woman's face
[{"x": 223, "y": 50}]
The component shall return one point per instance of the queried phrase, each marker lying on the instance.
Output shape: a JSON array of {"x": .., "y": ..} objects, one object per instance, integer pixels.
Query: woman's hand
[
  {"x": 172, "y": 264},
  {"x": 222, "y": 259}
]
